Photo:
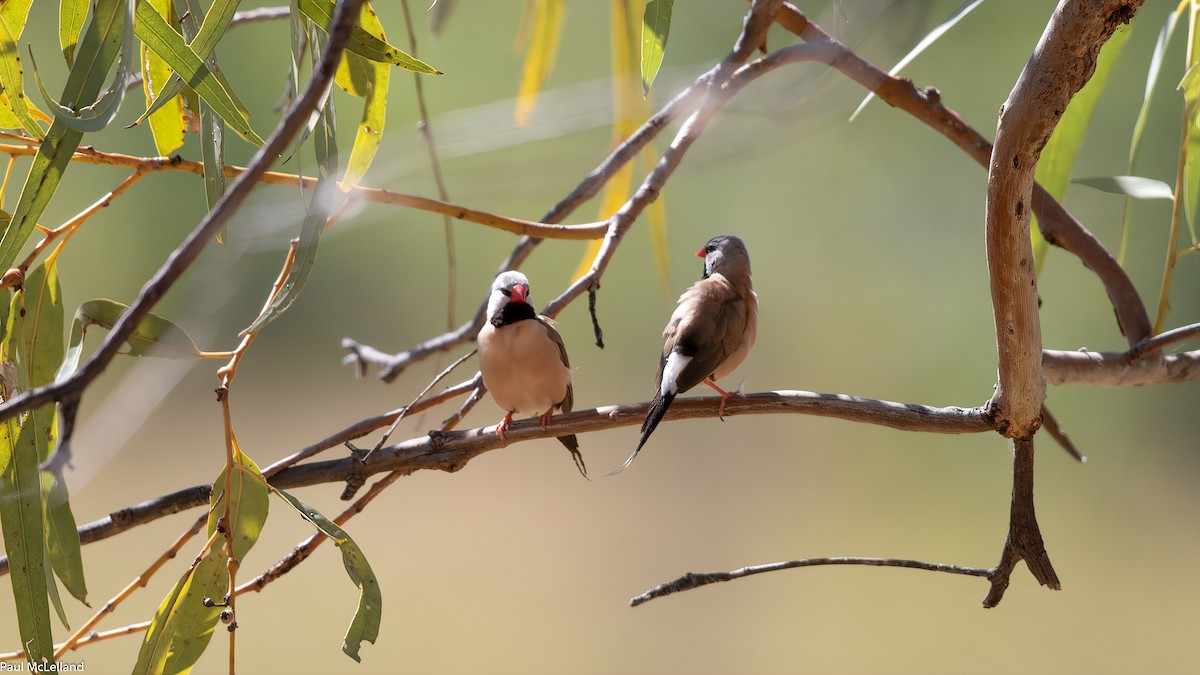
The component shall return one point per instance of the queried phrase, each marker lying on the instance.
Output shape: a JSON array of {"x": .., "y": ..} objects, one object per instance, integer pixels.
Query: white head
[{"x": 510, "y": 286}]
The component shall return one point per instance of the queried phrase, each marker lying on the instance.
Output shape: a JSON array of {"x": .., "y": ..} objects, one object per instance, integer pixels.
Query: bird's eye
[{"x": 506, "y": 292}]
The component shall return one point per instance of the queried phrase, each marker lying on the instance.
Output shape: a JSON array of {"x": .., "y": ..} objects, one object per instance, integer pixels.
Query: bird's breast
[{"x": 523, "y": 367}]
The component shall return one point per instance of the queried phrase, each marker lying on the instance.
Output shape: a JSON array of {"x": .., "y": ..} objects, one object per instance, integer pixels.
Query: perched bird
[
  {"x": 709, "y": 334},
  {"x": 523, "y": 359}
]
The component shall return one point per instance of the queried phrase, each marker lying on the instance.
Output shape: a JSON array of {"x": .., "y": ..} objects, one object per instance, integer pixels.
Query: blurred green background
[{"x": 867, "y": 243}]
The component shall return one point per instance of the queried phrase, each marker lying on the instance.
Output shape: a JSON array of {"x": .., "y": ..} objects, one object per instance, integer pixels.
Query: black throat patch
[{"x": 512, "y": 313}]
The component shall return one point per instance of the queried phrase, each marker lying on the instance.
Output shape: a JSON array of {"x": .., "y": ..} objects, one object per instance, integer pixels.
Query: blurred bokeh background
[{"x": 867, "y": 243}]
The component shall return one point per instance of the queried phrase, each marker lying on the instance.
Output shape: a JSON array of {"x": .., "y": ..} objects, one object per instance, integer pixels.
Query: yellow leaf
[{"x": 539, "y": 57}]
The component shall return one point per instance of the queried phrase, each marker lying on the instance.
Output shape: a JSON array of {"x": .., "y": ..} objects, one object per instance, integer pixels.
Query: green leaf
[
  {"x": 36, "y": 329},
  {"x": 656, "y": 26},
  {"x": 167, "y": 43},
  {"x": 539, "y": 58},
  {"x": 248, "y": 505},
  {"x": 62, "y": 537},
  {"x": 371, "y": 78},
  {"x": 11, "y": 78},
  {"x": 1156, "y": 59},
  {"x": 97, "y": 115},
  {"x": 932, "y": 37},
  {"x": 21, "y": 519},
  {"x": 1191, "y": 97},
  {"x": 71, "y": 15},
  {"x": 97, "y": 51},
  {"x": 319, "y": 209},
  {"x": 1130, "y": 186},
  {"x": 182, "y": 623},
  {"x": 1058, "y": 157},
  {"x": 168, "y": 124},
  {"x": 365, "y": 624},
  {"x": 362, "y": 41},
  {"x": 203, "y": 42},
  {"x": 154, "y": 336},
  {"x": 182, "y": 627}
]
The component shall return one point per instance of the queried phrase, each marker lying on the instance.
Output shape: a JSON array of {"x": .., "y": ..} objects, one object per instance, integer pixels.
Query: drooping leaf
[
  {"x": 362, "y": 41},
  {"x": 539, "y": 55},
  {"x": 173, "y": 629},
  {"x": 203, "y": 42},
  {"x": 656, "y": 26},
  {"x": 168, "y": 124},
  {"x": 1058, "y": 157},
  {"x": 96, "y": 116},
  {"x": 1152, "y": 73},
  {"x": 319, "y": 209},
  {"x": 365, "y": 624},
  {"x": 21, "y": 519},
  {"x": 71, "y": 15},
  {"x": 374, "y": 77},
  {"x": 1191, "y": 101},
  {"x": 154, "y": 336},
  {"x": 632, "y": 108},
  {"x": 1136, "y": 187},
  {"x": 932, "y": 37},
  {"x": 11, "y": 79},
  {"x": 62, "y": 537},
  {"x": 167, "y": 43},
  {"x": 99, "y": 48},
  {"x": 182, "y": 627}
]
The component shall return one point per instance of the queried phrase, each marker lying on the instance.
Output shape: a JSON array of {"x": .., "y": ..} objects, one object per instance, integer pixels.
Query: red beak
[
  {"x": 519, "y": 292},
  {"x": 700, "y": 253}
]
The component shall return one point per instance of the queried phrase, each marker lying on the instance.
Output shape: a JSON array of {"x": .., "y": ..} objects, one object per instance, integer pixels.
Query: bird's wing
[
  {"x": 707, "y": 326},
  {"x": 552, "y": 332}
]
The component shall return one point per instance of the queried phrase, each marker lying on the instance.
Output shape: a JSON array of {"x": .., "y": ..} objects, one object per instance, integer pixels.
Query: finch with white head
[{"x": 523, "y": 359}]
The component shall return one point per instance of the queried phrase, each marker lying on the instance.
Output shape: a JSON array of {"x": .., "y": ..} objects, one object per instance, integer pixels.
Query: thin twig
[
  {"x": 404, "y": 411},
  {"x": 1050, "y": 425},
  {"x": 139, "y": 582},
  {"x": 435, "y": 166},
  {"x": 693, "y": 580},
  {"x": 1162, "y": 340}
]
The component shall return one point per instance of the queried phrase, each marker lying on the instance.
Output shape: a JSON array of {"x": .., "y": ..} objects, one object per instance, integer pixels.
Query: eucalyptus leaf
[
  {"x": 154, "y": 336},
  {"x": 366, "y": 621},
  {"x": 1136, "y": 187},
  {"x": 362, "y": 41},
  {"x": 656, "y": 27}
]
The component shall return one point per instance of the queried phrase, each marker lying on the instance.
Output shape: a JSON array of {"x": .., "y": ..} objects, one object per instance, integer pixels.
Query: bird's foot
[
  {"x": 502, "y": 426},
  {"x": 545, "y": 418},
  {"x": 724, "y": 395}
]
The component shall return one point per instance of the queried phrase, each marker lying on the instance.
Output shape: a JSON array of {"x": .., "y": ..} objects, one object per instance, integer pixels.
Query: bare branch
[
  {"x": 692, "y": 580},
  {"x": 1115, "y": 369},
  {"x": 451, "y": 450},
  {"x": 1163, "y": 339},
  {"x": 1061, "y": 65},
  {"x": 1024, "y": 541},
  {"x": 1057, "y": 224}
]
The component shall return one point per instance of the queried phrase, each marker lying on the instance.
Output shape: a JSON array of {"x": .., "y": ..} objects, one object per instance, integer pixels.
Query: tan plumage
[
  {"x": 710, "y": 332},
  {"x": 523, "y": 359}
]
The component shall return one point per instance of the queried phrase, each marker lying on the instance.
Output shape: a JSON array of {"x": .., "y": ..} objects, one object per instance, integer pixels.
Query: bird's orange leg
[
  {"x": 545, "y": 418},
  {"x": 502, "y": 426},
  {"x": 724, "y": 395}
]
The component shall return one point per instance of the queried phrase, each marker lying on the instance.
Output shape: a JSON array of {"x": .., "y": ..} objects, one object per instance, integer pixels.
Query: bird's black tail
[
  {"x": 572, "y": 444},
  {"x": 658, "y": 408}
]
